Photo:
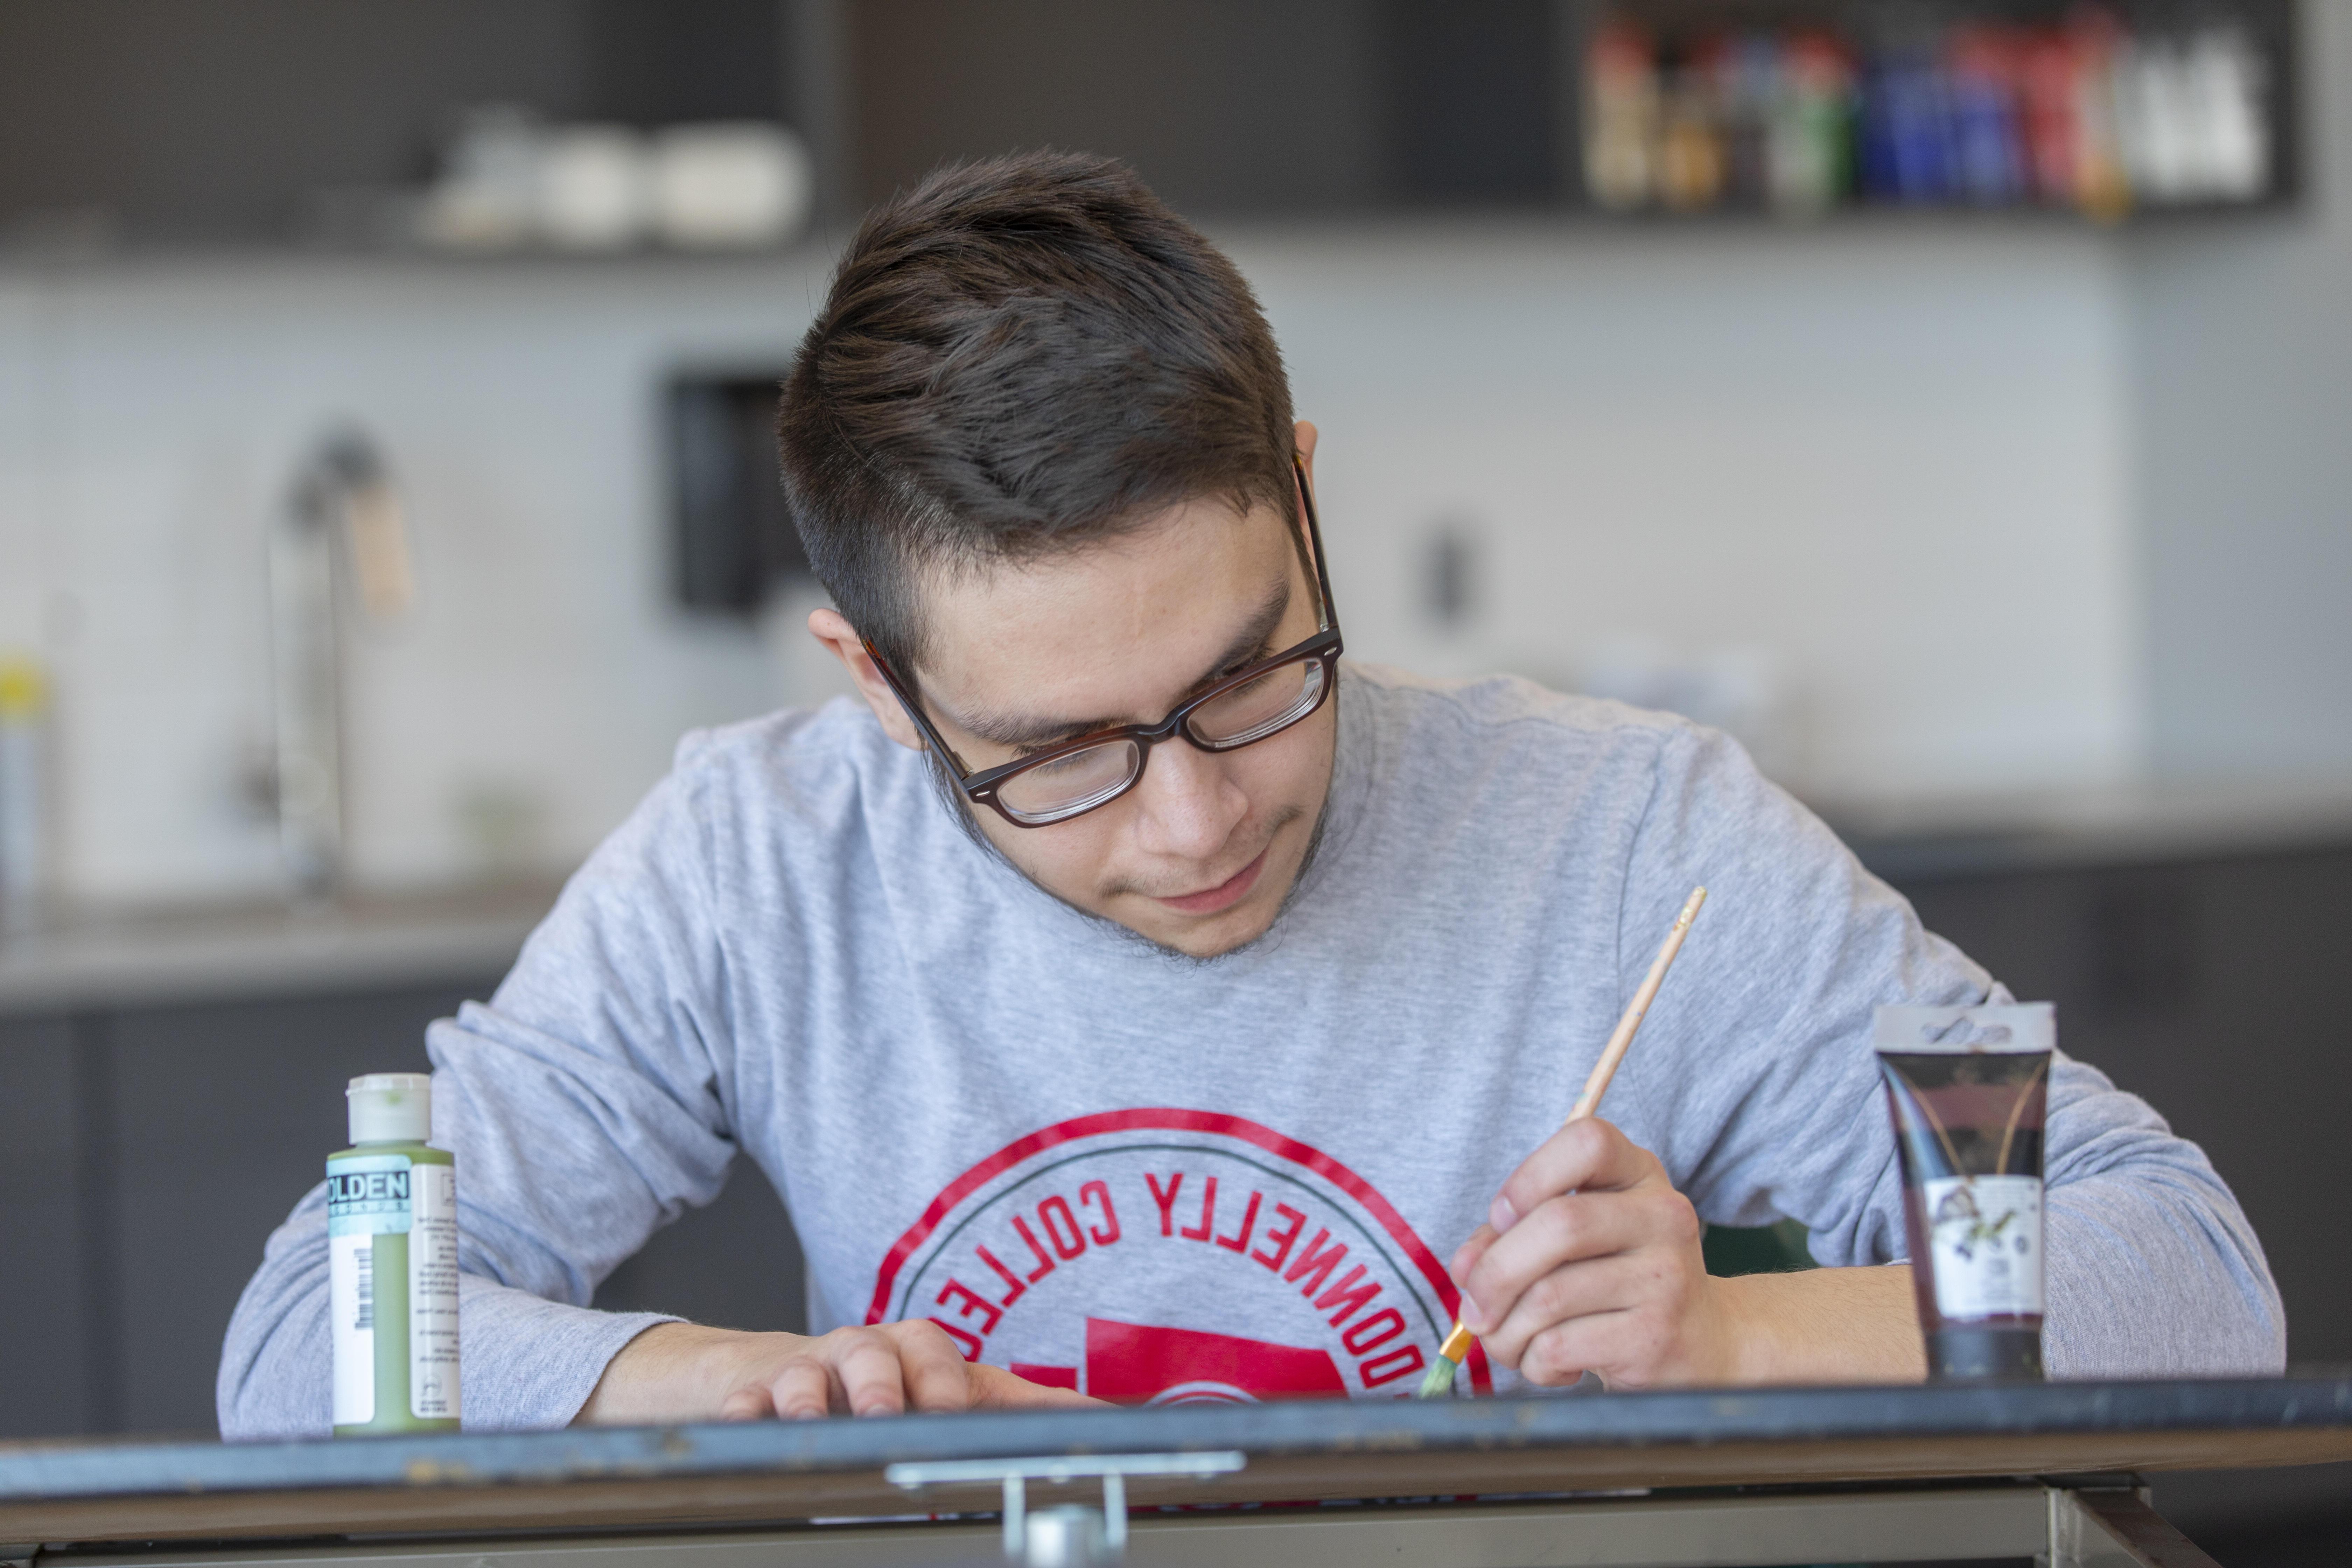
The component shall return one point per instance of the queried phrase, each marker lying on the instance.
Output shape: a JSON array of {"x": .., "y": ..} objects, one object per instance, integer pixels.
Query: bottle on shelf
[{"x": 1978, "y": 105}]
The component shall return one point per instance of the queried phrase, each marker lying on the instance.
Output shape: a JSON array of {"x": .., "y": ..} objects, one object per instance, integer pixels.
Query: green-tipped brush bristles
[{"x": 1439, "y": 1381}]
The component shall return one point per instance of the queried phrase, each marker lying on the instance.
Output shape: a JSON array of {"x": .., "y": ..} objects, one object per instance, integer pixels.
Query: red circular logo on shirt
[{"x": 1167, "y": 1255}]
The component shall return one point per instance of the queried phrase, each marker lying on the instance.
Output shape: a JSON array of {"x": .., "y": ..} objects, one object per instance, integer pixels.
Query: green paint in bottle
[{"x": 392, "y": 1255}]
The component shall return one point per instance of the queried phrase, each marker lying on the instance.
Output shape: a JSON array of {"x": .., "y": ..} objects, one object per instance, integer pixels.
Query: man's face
[{"x": 1200, "y": 854}]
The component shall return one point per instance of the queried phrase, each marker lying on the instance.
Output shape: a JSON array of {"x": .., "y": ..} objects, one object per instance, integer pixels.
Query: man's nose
[{"x": 1190, "y": 805}]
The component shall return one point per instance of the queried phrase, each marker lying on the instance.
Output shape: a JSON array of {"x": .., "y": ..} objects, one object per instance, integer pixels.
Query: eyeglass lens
[{"x": 1065, "y": 785}]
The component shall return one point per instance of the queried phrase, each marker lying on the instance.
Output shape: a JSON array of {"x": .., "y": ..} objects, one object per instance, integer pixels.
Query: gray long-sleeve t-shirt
[{"x": 1152, "y": 1177}]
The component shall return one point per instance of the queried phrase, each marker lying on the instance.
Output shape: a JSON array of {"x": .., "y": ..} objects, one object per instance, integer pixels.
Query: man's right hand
[{"x": 684, "y": 1372}]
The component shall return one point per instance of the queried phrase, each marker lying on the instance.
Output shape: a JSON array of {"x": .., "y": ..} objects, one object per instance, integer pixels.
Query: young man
[{"x": 1131, "y": 1000}]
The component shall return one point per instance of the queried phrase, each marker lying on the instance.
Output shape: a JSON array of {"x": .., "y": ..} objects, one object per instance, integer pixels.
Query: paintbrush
[{"x": 1457, "y": 1343}]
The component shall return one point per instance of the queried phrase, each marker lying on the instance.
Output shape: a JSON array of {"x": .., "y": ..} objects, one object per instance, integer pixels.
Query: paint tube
[{"x": 1969, "y": 1088}]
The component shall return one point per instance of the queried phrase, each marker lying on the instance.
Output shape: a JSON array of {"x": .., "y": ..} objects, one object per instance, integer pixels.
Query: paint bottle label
[
  {"x": 433, "y": 1293},
  {"x": 392, "y": 1262},
  {"x": 1986, "y": 1234},
  {"x": 368, "y": 1196}
]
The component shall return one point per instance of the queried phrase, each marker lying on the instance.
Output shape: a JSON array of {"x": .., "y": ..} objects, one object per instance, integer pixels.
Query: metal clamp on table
[{"x": 1072, "y": 1535}]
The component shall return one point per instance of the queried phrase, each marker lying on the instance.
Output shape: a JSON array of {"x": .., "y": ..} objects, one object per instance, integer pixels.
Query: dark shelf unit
[
  {"x": 1402, "y": 105},
  {"x": 134, "y": 123},
  {"x": 144, "y": 125}
]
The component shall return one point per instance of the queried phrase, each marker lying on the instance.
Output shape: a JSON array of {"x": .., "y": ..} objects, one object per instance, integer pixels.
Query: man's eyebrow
[{"x": 1252, "y": 642}]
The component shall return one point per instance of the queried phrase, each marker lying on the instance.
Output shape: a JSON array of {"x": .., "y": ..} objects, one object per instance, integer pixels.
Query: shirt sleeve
[
  {"x": 1756, "y": 1083},
  {"x": 588, "y": 1104}
]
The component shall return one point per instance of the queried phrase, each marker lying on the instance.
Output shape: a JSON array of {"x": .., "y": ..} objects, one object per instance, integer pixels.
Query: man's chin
[
  {"x": 1248, "y": 918},
  {"x": 1199, "y": 936},
  {"x": 1151, "y": 921}
]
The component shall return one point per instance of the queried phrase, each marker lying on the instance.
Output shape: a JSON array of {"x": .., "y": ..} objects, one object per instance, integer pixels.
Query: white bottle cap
[{"x": 391, "y": 1107}]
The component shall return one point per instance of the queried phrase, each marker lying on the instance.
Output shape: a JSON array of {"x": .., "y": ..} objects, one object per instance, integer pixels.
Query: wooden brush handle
[
  {"x": 1614, "y": 1051},
  {"x": 1457, "y": 1342}
]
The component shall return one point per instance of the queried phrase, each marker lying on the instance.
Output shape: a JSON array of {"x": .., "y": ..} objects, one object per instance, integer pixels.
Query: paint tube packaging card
[{"x": 1968, "y": 1089}]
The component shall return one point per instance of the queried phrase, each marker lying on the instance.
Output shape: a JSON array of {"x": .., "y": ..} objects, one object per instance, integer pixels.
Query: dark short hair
[{"x": 1018, "y": 356}]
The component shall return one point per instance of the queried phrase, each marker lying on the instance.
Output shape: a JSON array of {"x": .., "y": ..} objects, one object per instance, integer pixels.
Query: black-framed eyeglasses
[{"x": 1091, "y": 771}]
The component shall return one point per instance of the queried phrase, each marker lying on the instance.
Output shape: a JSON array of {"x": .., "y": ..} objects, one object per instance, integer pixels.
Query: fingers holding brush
[
  {"x": 1596, "y": 1266},
  {"x": 1591, "y": 1155},
  {"x": 1586, "y": 1156},
  {"x": 1553, "y": 1210}
]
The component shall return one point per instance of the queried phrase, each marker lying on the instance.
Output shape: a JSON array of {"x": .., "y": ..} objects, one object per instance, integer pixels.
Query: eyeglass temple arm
[
  {"x": 915, "y": 709},
  {"x": 1327, "y": 613}
]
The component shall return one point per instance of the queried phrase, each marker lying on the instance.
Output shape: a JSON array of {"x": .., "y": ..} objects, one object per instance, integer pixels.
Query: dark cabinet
[
  {"x": 148, "y": 1155},
  {"x": 145, "y": 1156},
  {"x": 44, "y": 1345},
  {"x": 2207, "y": 986}
]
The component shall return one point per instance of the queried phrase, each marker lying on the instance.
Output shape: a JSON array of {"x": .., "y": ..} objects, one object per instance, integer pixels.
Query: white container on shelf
[
  {"x": 595, "y": 190},
  {"x": 730, "y": 186},
  {"x": 488, "y": 195}
]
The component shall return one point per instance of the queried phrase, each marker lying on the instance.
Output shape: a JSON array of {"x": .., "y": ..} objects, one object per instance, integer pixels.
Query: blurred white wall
[
  {"x": 1887, "y": 466},
  {"x": 151, "y": 416}
]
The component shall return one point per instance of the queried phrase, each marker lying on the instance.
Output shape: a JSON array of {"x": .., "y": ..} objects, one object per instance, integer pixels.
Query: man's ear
[{"x": 832, "y": 629}]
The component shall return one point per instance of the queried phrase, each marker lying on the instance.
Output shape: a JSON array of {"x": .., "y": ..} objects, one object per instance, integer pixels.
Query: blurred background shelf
[
  {"x": 137, "y": 122},
  {"x": 133, "y": 123}
]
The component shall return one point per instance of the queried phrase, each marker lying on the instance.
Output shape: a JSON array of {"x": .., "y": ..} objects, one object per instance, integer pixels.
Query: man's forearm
[
  {"x": 1827, "y": 1325},
  {"x": 672, "y": 1373}
]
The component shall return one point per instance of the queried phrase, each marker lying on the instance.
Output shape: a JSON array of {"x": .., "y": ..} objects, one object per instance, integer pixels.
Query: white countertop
[{"x": 218, "y": 952}]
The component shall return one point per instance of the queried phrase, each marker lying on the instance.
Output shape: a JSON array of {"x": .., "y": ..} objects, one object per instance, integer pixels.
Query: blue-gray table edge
[{"x": 101, "y": 1469}]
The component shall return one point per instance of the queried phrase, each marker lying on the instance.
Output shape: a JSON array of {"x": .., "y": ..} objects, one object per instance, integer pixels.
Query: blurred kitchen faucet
[{"x": 342, "y": 504}]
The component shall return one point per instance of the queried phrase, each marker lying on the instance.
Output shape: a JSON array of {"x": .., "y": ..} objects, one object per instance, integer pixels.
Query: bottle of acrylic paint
[{"x": 392, "y": 1241}]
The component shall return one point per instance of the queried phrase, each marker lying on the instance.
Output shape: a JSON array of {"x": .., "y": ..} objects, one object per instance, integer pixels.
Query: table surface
[{"x": 633, "y": 1478}]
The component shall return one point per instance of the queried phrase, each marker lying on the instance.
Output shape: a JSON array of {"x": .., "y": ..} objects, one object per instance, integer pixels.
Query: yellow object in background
[
  {"x": 24, "y": 688},
  {"x": 24, "y": 779}
]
